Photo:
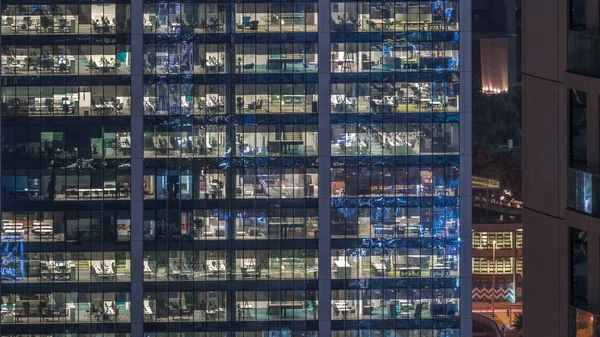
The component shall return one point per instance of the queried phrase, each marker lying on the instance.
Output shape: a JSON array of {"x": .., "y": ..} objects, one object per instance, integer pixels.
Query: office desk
[
  {"x": 279, "y": 309},
  {"x": 280, "y": 62}
]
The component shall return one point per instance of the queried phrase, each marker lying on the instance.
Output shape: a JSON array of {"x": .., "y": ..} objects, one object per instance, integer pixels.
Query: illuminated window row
[
  {"x": 284, "y": 332},
  {"x": 371, "y": 181},
  {"x": 251, "y": 141},
  {"x": 61, "y": 308},
  {"x": 394, "y": 16},
  {"x": 190, "y": 58},
  {"x": 77, "y": 334},
  {"x": 416, "y": 332},
  {"x": 60, "y": 226},
  {"x": 160, "y": 99},
  {"x": 251, "y": 224},
  {"x": 184, "y": 334},
  {"x": 60, "y": 19},
  {"x": 68, "y": 184},
  {"x": 297, "y": 16},
  {"x": 47, "y": 267},
  {"x": 440, "y": 261},
  {"x": 210, "y": 306},
  {"x": 399, "y": 97},
  {"x": 47, "y": 60},
  {"x": 394, "y": 97},
  {"x": 274, "y": 264},
  {"x": 175, "y": 18},
  {"x": 489, "y": 266},
  {"x": 394, "y": 139},
  {"x": 81, "y": 181},
  {"x": 485, "y": 240},
  {"x": 394, "y": 304},
  {"x": 175, "y": 99},
  {"x": 250, "y": 183},
  {"x": 66, "y": 100},
  {"x": 108, "y": 225},
  {"x": 394, "y": 222},
  {"x": 396, "y": 56}
]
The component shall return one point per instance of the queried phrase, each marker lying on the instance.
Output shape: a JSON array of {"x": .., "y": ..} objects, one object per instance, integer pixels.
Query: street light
[{"x": 493, "y": 276}]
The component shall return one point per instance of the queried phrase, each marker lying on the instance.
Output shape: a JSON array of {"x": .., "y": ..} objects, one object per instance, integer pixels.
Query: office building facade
[
  {"x": 239, "y": 168},
  {"x": 560, "y": 91}
]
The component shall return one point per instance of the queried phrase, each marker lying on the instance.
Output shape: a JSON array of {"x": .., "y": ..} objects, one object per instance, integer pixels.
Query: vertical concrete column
[
  {"x": 324, "y": 111},
  {"x": 137, "y": 169},
  {"x": 466, "y": 199},
  {"x": 593, "y": 263}
]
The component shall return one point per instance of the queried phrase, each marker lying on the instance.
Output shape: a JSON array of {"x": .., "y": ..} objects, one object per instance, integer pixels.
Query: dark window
[
  {"x": 577, "y": 17},
  {"x": 579, "y": 269},
  {"x": 578, "y": 129}
]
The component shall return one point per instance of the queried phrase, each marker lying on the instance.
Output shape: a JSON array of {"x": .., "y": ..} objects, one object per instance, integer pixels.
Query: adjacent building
[
  {"x": 235, "y": 168},
  {"x": 561, "y": 162}
]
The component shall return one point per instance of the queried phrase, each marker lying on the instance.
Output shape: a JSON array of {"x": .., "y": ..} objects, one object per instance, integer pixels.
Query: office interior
[
  {"x": 61, "y": 308},
  {"x": 210, "y": 183},
  {"x": 436, "y": 262},
  {"x": 398, "y": 181},
  {"x": 61, "y": 60},
  {"x": 28, "y": 267},
  {"x": 392, "y": 303},
  {"x": 394, "y": 16},
  {"x": 200, "y": 141},
  {"x": 298, "y": 98},
  {"x": 176, "y": 18},
  {"x": 393, "y": 55},
  {"x": 71, "y": 226},
  {"x": 395, "y": 139},
  {"x": 171, "y": 265},
  {"x": 277, "y": 183},
  {"x": 395, "y": 97},
  {"x": 70, "y": 184},
  {"x": 452, "y": 332},
  {"x": 395, "y": 222},
  {"x": 67, "y": 143},
  {"x": 276, "y": 17},
  {"x": 284, "y": 57},
  {"x": 275, "y": 140},
  {"x": 192, "y": 225},
  {"x": 186, "y": 58},
  {"x": 190, "y": 58},
  {"x": 30, "y": 19},
  {"x": 184, "y": 99},
  {"x": 281, "y": 305},
  {"x": 66, "y": 100},
  {"x": 198, "y": 306},
  {"x": 200, "y": 183},
  {"x": 279, "y": 223}
]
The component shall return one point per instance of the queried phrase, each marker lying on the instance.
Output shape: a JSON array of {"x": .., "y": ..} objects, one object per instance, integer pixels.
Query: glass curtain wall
[
  {"x": 230, "y": 168},
  {"x": 394, "y": 173},
  {"x": 226, "y": 157},
  {"x": 66, "y": 184}
]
